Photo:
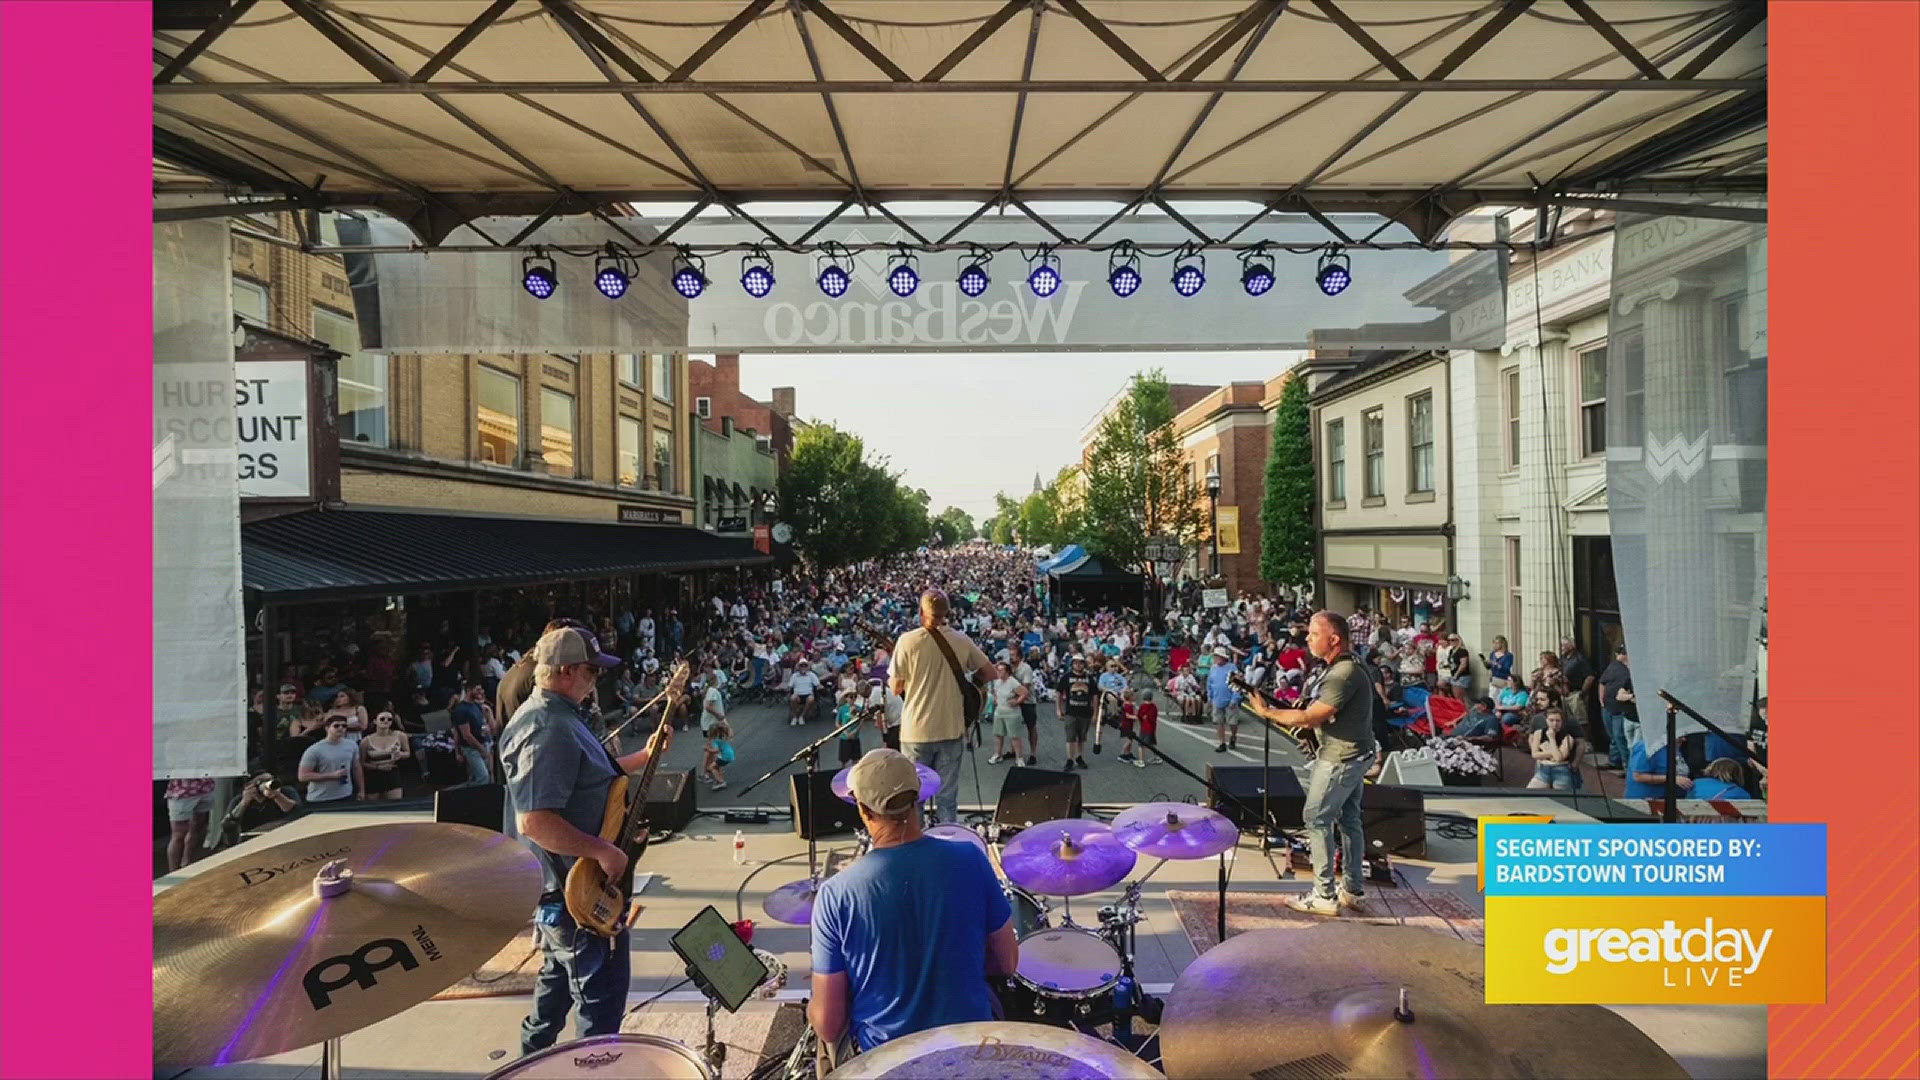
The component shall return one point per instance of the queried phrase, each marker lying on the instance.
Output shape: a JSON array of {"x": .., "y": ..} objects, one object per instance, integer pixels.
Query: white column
[
  {"x": 1546, "y": 579},
  {"x": 1476, "y": 452}
]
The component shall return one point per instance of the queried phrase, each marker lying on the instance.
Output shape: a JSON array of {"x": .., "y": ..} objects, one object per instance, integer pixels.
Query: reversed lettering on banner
[{"x": 270, "y": 401}]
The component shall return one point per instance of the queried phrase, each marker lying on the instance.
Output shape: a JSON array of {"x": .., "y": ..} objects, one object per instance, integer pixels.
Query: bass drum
[
  {"x": 1067, "y": 976},
  {"x": 610, "y": 1057}
]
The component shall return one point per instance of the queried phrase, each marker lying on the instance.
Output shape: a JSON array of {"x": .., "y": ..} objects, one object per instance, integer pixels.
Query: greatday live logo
[{"x": 1651, "y": 914}]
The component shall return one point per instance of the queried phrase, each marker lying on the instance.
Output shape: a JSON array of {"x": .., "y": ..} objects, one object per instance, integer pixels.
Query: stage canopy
[{"x": 441, "y": 112}]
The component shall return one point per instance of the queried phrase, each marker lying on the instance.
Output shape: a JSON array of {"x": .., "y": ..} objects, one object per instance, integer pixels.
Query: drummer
[
  {"x": 1340, "y": 708},
  {"x": 906, "y": 937}
]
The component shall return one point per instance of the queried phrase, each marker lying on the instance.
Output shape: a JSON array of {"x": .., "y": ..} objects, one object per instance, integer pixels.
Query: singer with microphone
[{"x": 1340, "y": 710}]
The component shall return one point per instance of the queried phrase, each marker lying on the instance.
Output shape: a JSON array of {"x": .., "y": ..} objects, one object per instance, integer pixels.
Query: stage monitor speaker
[
  {"x": 1394, "y": 820},
  {"x": 817, "y": 811},
  {"x": 1244, "y": 783},
  {"x": 1031, "y": 796},
  {"x": 670, "y": 802},
  {"x": 485, "y": 806}
]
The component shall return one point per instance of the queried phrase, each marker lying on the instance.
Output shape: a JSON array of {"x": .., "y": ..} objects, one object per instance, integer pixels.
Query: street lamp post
[{"x": 1213, "y": 521}]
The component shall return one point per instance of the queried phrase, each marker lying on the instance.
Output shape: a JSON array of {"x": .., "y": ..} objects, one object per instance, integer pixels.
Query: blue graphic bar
[{"x": 1656, "y": 860}]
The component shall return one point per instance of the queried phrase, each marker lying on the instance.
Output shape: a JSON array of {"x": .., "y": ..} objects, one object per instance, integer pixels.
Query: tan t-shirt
[{"x": 933, "y": 707}]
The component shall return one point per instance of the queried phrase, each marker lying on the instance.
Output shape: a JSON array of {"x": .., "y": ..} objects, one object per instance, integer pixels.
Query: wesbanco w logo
[
  {"x": 1701, "y": 954},
  {"x": 1678, "y": 456}
]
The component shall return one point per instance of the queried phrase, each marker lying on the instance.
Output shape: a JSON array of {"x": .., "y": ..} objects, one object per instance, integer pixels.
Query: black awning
[
  {"x": 1094, "y": 570},
  {"x": 322, "y": 554}
]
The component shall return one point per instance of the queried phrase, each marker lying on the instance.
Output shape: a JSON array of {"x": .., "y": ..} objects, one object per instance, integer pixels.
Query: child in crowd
[
  {"x": 719, "y": 755},
  {"x": 850, "y": 740},
  {"x": 1129, "y": 720}
]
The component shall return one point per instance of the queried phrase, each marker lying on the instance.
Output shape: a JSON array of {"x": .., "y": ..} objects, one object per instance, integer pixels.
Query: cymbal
[
  {"x": 929, "y": 783},
  {"x": 996, "y": 1050},
  {"x": 792, "y": 903},
  {"x": 960, "y": 834},
  {"x": 1069, "y": 857},
  {"x": 1323, "y": 1000},
  {"x": 249, "y": 960},
  {"x": 1170, "y": 830}
]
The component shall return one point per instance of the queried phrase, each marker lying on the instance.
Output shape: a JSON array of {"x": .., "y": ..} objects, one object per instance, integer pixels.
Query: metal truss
[{"x": 634, "y": 73}]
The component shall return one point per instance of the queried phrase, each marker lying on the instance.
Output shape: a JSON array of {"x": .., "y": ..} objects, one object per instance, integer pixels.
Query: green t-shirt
[{"x": 1346, "y": 686}]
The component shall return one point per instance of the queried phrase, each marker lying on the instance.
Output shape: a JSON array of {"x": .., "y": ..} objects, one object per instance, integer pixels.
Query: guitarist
[
  {"x": 558, "y": 775},
  {"x": 1340, "y": 709},
  {"x": 933, "y": 668}
]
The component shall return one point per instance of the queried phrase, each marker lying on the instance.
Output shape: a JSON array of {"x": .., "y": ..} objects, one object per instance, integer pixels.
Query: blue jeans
[
  {"x": 1333, "y": 804},
  {"x": 479, "y": 771},
  {"x": 1557, "y": 777},
  {"x": 582, "y": 970},
  {"x": 942, "y": 757},
  {"x": 1617, "y": 748}
]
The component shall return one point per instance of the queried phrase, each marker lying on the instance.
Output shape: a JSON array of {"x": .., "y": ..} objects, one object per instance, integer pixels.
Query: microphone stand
[
  {"x": 811, "y": 755},
  {"x": 1220, "y": 907}
]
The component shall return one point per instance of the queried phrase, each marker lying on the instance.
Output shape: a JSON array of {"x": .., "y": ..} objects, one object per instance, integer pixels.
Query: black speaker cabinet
[
  {"x": 1394, "y": 820},
  {"x": 817, "y": 811},
  {"x": 484, "y": 806},
  {"x": 670, "y": 802},
  {"x": 1031, "y": 796},
  {"x": 1244, "y": 782}
]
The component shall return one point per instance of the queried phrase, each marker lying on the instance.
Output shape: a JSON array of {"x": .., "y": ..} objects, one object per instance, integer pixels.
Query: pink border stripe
[{"x": 76, "y": 407}]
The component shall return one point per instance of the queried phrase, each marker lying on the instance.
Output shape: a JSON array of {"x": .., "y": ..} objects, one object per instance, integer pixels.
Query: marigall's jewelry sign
[{"x": 1643, "y": 914}]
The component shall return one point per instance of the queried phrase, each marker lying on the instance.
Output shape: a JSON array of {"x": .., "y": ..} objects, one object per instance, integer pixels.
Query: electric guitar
[
  {"x": 596, "y": 902},
  {"x": 1303, "y": 738}
]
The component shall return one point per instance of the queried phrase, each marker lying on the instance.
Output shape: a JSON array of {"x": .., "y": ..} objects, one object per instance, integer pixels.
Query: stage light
[
  {"x": 537, "y": 276},
  {"x": 903, "y": 276},
  {"x": 973, "y": 272},
  {"x": 1335, "y": 272},
  {"x": 1044, "y": 279},
  {"x": 1256, "y": 270},
  {"x": 1189, "y": 271},
  {"x": 611, "y": 274},
  {"x": 1123, "y": 269},
  {"x": 689, "y": 274},
  {"x": 756, "y": 273},
  {"x": 836, "y": 273}
]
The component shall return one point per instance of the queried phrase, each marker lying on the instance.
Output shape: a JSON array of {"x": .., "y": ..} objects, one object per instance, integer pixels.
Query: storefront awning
[{"x": 318, "y": 554}]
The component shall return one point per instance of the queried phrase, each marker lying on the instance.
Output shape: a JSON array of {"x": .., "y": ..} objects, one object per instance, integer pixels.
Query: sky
[{"x": 964, "y": 426}]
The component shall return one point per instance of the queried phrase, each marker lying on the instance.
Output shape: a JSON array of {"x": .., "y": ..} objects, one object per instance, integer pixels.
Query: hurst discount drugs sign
[{"x": 1640, "y": 914}]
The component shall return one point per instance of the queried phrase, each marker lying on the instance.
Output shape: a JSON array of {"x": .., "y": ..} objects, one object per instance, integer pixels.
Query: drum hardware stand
[
  {"x": 330, "y": 1059},
  {"x": 713, "y": 1049}
]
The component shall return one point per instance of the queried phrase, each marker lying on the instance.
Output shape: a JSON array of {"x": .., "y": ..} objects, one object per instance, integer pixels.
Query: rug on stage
[
  {"x": 759, "y": 1031},
  {"x": 513, "y": 970},
  {"x": 1441, "y": 912}
]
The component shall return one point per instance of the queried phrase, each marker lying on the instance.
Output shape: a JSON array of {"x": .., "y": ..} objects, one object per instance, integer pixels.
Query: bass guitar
[
  {"x": 1303, "y": 738},
  {"x": 596, "y": 902}
]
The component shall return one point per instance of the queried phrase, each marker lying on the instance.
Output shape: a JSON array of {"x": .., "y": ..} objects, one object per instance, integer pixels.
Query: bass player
[
  {"x": 558, "y": 775},
  {"x": 1340, "y": 710}
]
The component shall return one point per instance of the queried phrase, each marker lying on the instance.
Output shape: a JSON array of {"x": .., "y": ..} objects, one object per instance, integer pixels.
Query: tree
[
  {"x": 1138, "y": 485},
  {"x": 844, "y": 506},
  {"x": 953, "y": 525},
  {"x": 1286, "y": 513}
]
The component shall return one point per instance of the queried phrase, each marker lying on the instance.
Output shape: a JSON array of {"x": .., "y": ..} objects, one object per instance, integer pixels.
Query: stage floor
[{"x": 470, "y": 1037}]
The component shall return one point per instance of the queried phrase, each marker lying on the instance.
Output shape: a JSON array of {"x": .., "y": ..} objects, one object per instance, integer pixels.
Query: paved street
[{"x": 762, "y": 741}]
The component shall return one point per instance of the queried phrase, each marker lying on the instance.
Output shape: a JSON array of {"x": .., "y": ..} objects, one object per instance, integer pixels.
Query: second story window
[
  {"x": 1337, "y": 461},
  {"x": 497, "y": 414},
  {"x": 1420, "y": 443},
  {"x": 1592, "y": 366},
  {"x": 1373, "y": 432},
  {"x": 629, "y": 452},
  {"x": 558, "y": 433},
  {"x": 662, "y": 375}
]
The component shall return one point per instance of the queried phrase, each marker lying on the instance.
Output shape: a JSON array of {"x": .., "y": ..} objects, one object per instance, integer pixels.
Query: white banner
[
  {"x": 1214, "y": 598},
  {"x": 271, "y": 399},
  {"x": 199, "y": 682}
]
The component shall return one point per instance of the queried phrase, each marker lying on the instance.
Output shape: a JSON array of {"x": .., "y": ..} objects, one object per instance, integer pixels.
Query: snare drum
[
  {"x": 610, "y": 1057},
  {"x": 1029, "y": 911},
  {"x": 1067, "y": 975}
]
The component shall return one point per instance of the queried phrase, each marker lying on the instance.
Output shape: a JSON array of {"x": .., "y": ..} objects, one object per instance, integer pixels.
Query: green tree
[
  {"x": 953, "y": 525},
  {"x": 1138, "y": 485},
  {"x": 1286, "y": 512},
  {"x": 844, "y": 506}
]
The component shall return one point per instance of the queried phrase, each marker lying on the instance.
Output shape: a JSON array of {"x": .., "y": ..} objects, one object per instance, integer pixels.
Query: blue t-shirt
[
  {"x": 1708, "y": 788},
  {"x": 1218, "y": 691},
  {"x": 1502, "y": 666},
  {"x": 1030, "y": 640},
  {"x": 909, "y": 926},
  {"x": 1656, "y": 763}
]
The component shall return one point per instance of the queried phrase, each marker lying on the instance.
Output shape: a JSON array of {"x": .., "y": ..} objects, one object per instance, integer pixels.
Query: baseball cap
[
  {"x": 1221, "y": 652},
  {"x": 884, "y": 781},
  {"x": 567, "y": 646}
]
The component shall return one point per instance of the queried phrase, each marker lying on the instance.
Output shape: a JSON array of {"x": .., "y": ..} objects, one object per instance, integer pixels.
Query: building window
[
  {"x": 1373, "y": 430},
  {"x": 362, "y": 379},
  {"x": 663, "y": 460},
  {"x": 1510, "y": 411},
  {"x": 629, "y": 367},
  {"x": 1593, "y": 401},
  {"x": 1514, "y": 610},
  {"x": 1213, "y": 467},
  {"x": 558, "y": 432},
  {"x": 1420, "y": 442},
  {"x": 1746, "y": 375},
  {"x": 251, "y": 301},
  {"x": 497, "y": 395},
  {"x": 629, "y": 452},
  {"x": 1337, "y": 461},
  {"x": 662, "y": 375}
]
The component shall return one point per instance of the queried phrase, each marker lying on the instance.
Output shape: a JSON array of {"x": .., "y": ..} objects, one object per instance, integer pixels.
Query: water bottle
[{"x": 739, "y": 846}]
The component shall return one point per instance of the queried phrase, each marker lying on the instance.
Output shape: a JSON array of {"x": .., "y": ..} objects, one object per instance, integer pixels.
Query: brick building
[
  {"x": 715, "y": 389},
  {"x": 1229, "y": 430}
]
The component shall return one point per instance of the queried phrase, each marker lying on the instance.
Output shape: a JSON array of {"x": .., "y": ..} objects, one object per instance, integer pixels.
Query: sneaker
[
  {"x": 1313, "y": 904},
  {"x": 1128, "y": 758},
  {"x": 1137, "y": 763},
  {"x": 996, "y": 759},
  {"x": 720, "y": 786},
  {"x": 1347, "y": 898},
  {"x": 1082, "y": 762},
  {"x": 1032, "y": 761},
  {"x": 1069, "y": 766},
  {"x": 1221, "y": 749}
]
